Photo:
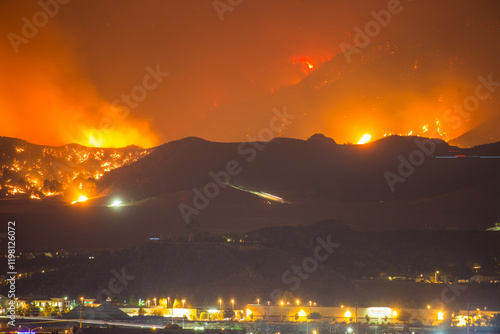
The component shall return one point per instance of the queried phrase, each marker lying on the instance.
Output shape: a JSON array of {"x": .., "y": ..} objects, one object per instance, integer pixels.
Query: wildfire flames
[
  {"x": 44, "y": 96},
  {"x": 365, "y": 139},
  {"x": 309, "y": 64},
  {"x": 37, "y": 172}
]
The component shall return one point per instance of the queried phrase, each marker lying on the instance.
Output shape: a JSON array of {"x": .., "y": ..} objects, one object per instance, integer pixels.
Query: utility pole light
[
  {"x": 468, "y": 319},
  {"x": 357, "y": 327},
  {"x": 81, "y": 306}
]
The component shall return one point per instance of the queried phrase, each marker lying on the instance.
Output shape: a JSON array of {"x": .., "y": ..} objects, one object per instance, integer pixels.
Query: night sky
[{"x": 229, "y": 66}]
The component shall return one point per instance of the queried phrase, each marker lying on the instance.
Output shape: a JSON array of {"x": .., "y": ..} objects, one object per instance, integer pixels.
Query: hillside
[
  {"x": 37, "y": 171},
  {"x": 315, "y": 179},
  {"x": 250, "y": 266},
  {"x": 486, "y": 132},
  {"x": 298, "y": 170}
]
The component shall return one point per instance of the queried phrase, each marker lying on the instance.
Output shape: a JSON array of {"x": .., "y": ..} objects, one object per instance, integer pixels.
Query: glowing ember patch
[
  {"x": 82, "y": 198},
  {"x": 365, "y": 139}
]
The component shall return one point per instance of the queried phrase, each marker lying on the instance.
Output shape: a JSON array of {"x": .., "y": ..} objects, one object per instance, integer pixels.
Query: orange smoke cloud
[{"x": 45, "y": 99}]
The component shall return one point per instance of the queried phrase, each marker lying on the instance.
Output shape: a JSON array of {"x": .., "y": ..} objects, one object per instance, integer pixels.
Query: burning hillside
[{"x": 35, "y": 171}]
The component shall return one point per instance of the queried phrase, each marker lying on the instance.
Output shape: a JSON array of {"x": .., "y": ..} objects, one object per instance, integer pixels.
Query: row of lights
[
  {"x": 232, "y": 303},
  {"x": 297, "y": 301}
]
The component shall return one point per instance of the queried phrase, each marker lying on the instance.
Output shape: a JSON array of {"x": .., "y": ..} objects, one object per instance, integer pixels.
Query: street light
[
  {"x": 220, "y": 304},
  {"x": 171, "y": 310},
  {"x": 232, "y": 303},
  {"x": 183, "y": 302},
  {"x": 149, "y": 303},
  {"x": 435, "y": 276},
  {"x": 258, "y": 301},
  {"x": 267, "y": 317},
  {"x": 25, "y": 327},
  {"x": 81, "y": 306},
  {"x": 357, "y": 327},
  {"x": 154, "y": 299},
  {"x": 298, "y": 302}
]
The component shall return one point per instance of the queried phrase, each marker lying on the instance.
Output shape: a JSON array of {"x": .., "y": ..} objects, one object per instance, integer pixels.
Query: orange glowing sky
[{"x": 225, "y": 77}]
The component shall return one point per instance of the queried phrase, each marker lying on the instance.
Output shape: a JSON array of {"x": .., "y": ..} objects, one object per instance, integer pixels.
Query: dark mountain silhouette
[
  {"x": 316, "y": 179},
  {"x": 487, "y": 132},
  {"x": 251, "y": 265},
  {"x": 298, "y": 170}
]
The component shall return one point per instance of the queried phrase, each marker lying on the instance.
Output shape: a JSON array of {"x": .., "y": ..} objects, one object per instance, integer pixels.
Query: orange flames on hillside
[{"x": 70, "y": 171}]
